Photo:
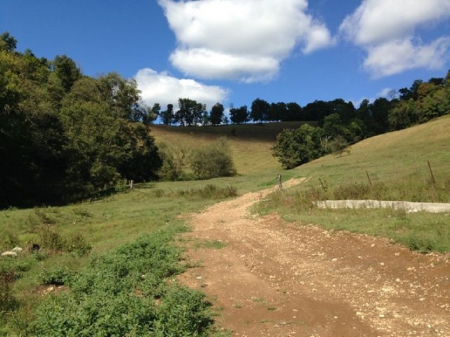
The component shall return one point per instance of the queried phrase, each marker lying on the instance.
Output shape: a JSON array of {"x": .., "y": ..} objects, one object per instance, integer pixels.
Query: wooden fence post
[{"x": 431, "y": 172}]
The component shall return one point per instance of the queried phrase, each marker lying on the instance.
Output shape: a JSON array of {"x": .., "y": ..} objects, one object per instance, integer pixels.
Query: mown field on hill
[
  {"x": 77, "y": 241},
  {"x": 250, "y": 143}
]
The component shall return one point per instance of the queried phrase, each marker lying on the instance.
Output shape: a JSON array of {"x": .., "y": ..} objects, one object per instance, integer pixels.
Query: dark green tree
[
  {"x": 7, "y": 43},
  {"x": 190, "y": 112},
  {"x": 239, "y": 115},
  {"x": 260, "y": 110},
  {"x": 297, "y": 147},
  {"x": 31, "y": 135},
  {"x": 67, "y": 71},
  {"x": 294, "y": 113},
  {"x": 168, "y": 116},
  {"x": 317, "y": 110},
  {"x": 277, "y": 111},
  {"x": 333, "y": 126},
  {"x": 216, "y": 114},
  {"x": 106, "y": 142}
]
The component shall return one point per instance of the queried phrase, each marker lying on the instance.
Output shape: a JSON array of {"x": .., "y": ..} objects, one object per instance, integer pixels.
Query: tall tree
[
  {"x": 277, "y": 111},
  {"x": 239, "y": 115},
  {"x": 7, "y": 42},
  {"x": 190, "y": 112},
  {"x": 260, "y": 110},
  {"x": 297, "y": 147},
  {"x": 168, "y": 116},
  {"x": 67, "y": 71},
  {"x": 106, "y": 141},
  {"x": 216, "y": 114},
  {"x": 294, "y": 112}
]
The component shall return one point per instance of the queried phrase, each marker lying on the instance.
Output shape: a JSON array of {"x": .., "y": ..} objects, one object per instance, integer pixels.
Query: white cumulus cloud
[
  {"x": 165, "y": 89},
  {"x": 241, "y": 39},
  {"x": 388, "y": 31}
]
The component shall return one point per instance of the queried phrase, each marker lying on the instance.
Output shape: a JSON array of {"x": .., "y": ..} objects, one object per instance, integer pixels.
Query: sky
[{"x": 234, "y": 51}]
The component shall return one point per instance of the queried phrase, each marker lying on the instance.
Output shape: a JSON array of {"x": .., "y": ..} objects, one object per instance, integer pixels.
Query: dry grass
[{"x": 250, "y": 144}]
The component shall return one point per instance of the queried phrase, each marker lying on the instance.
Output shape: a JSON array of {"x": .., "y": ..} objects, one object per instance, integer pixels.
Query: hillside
[
  {"x": 250, "y": 143},
  {"x": 400, "y": 154},
  {"x": 394, "y": 156}
]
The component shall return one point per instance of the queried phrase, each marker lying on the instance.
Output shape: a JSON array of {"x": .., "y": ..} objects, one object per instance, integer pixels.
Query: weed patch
[
  {"x": 212, "y": 244},
  {"x": 126, "y": 292},
  {"x": 209, "y": 192}
]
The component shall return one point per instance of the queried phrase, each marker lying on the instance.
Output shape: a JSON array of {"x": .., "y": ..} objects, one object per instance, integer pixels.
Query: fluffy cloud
[
  {"x": 394, "y": 57},
  {"x": 387, "y": 30},
  {"x": 164, "y": 89},
  {"x": 240, "y": 39}
]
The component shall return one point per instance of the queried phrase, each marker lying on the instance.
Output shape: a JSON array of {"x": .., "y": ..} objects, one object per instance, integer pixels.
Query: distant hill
[
  {"x": 393, "y": 155},
  {"x": 250, "y": 143}
]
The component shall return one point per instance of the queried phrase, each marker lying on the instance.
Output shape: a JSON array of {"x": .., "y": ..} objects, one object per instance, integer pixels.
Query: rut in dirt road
[{"x": 279, "y": 279}]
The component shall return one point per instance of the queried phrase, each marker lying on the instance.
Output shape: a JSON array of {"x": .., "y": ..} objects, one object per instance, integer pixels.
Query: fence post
[
  {"x": 431, "y": 172},
  {"x": 368, "y": 177}
]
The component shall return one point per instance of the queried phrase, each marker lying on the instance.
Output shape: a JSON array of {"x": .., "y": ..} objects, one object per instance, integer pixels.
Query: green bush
[
  {"x": 174, "y": 159},
  {"x": 78, "y": 244},
  {"x": 50, "y": 238},
  {"x": 351, "y": 191},
  {"x": 206, "y": 162},
  {"x": 212, "y": 161},
  {"x": 56, "y": 276},
  {"x": 7, "y": 300}
]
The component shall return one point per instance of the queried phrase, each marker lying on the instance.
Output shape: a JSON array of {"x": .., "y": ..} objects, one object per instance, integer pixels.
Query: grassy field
[
  {"x": 250, "y": 144},
  {"x": 391, "y": 166}
]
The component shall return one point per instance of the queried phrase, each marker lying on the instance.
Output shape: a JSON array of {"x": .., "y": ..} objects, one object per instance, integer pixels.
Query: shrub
[
  {"x": 78, "y": 244},
  {"x": 174, "y": 159},
  {"x": 50, "y": 238},
  {"x": 212, "y": 161},
  {"x": 7, "y": 300},
  {"x": 55, "y": 276}
]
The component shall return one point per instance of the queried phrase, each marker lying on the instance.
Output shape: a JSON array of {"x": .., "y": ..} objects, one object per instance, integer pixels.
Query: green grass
[
  {"x": 104, "y": 224},
  {"x": 393, "y": 166},
  {"x": 210, "y": 244}
]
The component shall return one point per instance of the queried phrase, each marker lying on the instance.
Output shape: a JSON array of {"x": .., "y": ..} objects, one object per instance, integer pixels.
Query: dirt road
[{"x": 277, "y": 279}]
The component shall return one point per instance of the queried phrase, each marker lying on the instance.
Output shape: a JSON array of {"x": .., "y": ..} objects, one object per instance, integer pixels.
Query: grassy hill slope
[
  {"x": 250, "y": 143},
  {"x": 392, "y": 157},
  {"x": 393, "y": 166}
]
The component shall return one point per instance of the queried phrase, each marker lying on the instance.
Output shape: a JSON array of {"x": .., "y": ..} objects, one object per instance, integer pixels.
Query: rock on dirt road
[{"x": 277, "y": 279}]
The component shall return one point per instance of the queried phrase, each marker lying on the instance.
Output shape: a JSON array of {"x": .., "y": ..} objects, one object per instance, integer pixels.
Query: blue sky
[{"x": 233, "y": 51}]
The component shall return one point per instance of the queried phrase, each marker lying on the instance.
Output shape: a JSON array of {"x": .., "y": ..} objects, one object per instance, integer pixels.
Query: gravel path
[{"x": 279, "y": 279}]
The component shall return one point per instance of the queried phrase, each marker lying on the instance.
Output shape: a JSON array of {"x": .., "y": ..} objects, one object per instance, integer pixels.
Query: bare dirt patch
[{"x": 271, "y": 278}]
